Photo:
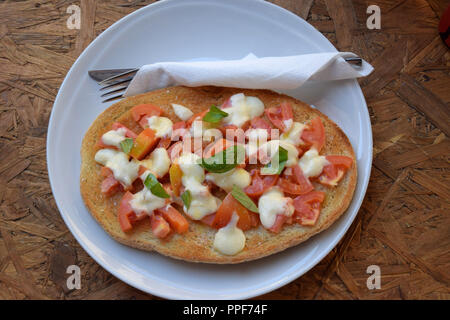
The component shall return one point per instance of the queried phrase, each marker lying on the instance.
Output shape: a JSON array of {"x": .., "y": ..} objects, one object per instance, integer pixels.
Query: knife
[{"x": 101, "y": 75}]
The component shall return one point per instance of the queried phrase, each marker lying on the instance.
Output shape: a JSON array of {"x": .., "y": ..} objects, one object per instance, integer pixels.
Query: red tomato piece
[
  {"x": 126, "y": 214},
  {"x": 259, "y": 185},
  {"x": 209, "y": 219},
  {"x": 293, "y": 188},
  {"x": 280, "y": 220},
  {"x": 225, "y": 212},
  {"x": 149, "y": 110},
  {"x": 176, "y": 220},
  {"x": 314, "y": 134},
  {"x": 110, "y": 186},
  {"x": 143, "y": 144},
  {"x": 164, "y": 143},
  {"x": 307, "y": 207},
  {"x": 335, "y": 170},
  {"x": 304, "y": 184},
  {"x": 160, "y": 227},
  {"x": 281, "y": 117}
]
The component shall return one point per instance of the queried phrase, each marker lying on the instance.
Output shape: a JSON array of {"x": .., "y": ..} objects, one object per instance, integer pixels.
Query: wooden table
[{"x": 403, "y": 225}]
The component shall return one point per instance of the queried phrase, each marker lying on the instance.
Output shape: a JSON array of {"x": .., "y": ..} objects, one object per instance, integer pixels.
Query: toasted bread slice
[{"x": 197, "y": 244}]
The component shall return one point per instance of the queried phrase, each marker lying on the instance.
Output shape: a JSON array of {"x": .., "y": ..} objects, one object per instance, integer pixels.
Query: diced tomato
[
  {"x": 160, "y": 227},
  {"x": 304, "y": 184},
  {"x": 176, "y": 220},
  {"x": 164, "y": 142},
  {"x": 110, "y": 186},
  {"x": 126, "y": 214},
  {"x": 128, "y": 132},
  {"x": 281, "y": 117},
  {"x": 209, "y": 219},
  {"x": 314, "y": 134},
  {"x": 225, "y": 212},
  {"x": 293, "y": 188},
  {"x": 105, "y": 172},
  {"x": 260, "y": 123},
  {"x": 254, "y": 219},
  {"x": 175, "y": 175},
  {"x": 279, "y": 222},
  {"x": 179, "y": 130},
  {"x": 149, "y": 110},
  {"x": 198, "y": 116},
  {"x": 335, "y": 170},
  {"x": 216, "y": 147},
  {"x": 260, "y": 185},
  {"x": 307, "y": 207},
  {"x": 143, "y": 144}
]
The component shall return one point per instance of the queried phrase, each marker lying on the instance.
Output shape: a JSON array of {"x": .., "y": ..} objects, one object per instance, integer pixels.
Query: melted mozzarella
[
  {"x": 272, "y": 203},
  {"x": 124, "y": 170},
  {"x": 202, "y": 201},
  {"x": 114, "y": 137},
  {"x": 146, "y": 202},
  {"x": 161, "y": 125},
  {"x": 238, "y": 176},
  {"x": 230, "y": 240},
  {"x": 311, "y": 163},
  {"x": 243, "y": 109},
  {"x": 293, "y": 136},
  {"x": 158, "y": 162},
  {"x": 182, "y": 112}
]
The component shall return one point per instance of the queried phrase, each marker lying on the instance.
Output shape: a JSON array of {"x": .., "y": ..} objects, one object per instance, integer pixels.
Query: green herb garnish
[
  {"x": 214, "y": 115},
  {"x": 243, "y": 199},
  {"x": 225, "y": 160},
  {"x": 277, "y": 163},
  {"x": 126, "y": 145},
  {"x": 187, "y": 198},
  {"x": 155, "y": 187}
]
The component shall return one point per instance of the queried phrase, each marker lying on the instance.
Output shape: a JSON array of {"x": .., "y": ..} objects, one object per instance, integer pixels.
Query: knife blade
[{"x": 100, "y": 75}]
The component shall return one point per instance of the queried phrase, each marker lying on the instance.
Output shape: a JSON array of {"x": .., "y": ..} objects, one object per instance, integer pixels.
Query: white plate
[{"x": 185, "y": 30}]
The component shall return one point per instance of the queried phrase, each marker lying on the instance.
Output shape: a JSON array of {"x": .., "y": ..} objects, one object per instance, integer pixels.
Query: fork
[{"x": 117, "y": 80}]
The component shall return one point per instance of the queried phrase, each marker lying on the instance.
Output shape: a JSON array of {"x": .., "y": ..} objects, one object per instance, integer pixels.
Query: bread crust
[{"x": 196, "y": 245}]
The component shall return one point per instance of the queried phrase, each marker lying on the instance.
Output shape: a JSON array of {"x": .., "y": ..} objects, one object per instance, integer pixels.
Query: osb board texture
[{"x": 403, "y": 225}]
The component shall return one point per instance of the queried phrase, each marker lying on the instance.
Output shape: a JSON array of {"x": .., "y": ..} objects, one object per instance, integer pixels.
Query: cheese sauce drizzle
[{"x": 230, "y": 240}]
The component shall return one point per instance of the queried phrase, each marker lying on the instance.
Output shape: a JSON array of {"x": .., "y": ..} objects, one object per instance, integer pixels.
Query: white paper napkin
[{"x": 251, "y": 72}]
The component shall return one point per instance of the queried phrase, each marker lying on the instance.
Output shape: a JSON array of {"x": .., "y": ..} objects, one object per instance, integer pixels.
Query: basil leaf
[
  {"x": 225, "y": 160},
  {"x": 270, "y": 168},
  {"x": 243, "y": 199},
  {"x": 214, "y": 115},
  {"x": 187, "y": 198},
  {"x": 126, "y": 145},
  {"x": 155, "y": 187}
]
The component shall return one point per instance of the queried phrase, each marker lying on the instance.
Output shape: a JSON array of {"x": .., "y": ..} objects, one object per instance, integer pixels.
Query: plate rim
[{"x": 239, "y": 295}]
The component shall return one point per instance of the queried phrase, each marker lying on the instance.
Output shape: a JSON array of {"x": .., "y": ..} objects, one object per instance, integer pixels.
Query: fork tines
[{"x": 117, "y": 83}]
